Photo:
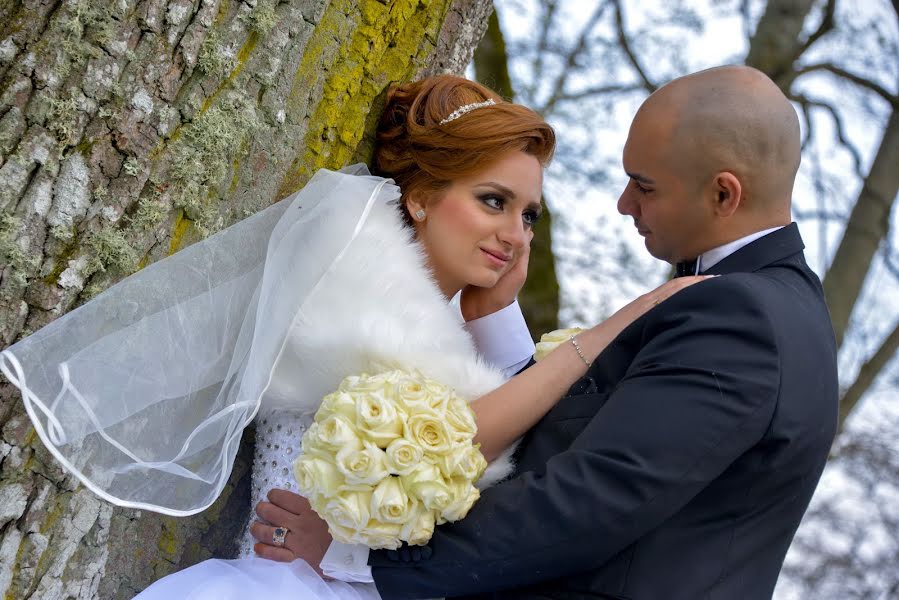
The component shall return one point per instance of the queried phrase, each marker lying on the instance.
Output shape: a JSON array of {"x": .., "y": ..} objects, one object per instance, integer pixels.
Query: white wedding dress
[
  {"x": 249, "y": 577},
  {"x": 143, "y": 392}
]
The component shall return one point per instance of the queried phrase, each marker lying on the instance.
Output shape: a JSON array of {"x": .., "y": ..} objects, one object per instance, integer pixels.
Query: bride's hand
[
  {"x": 596, "y": 339},
  {"x": 307, "y": 534},
  {"x": 477, "y": 302},
  {"x": 643, "y": 304}
]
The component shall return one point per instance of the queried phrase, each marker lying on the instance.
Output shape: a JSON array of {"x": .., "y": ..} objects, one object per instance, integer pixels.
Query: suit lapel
[{"x": 762, "y": 252}]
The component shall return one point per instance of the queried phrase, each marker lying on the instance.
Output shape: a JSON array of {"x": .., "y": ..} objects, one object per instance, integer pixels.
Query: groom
[{"x": 680, "y": 466}]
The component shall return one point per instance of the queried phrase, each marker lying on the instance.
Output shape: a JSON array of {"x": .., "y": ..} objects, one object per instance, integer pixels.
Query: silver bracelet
[{"x": 577, "y": 347}]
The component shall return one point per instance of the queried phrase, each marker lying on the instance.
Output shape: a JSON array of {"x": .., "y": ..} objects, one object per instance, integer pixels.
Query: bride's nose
[{"x": 513, "y": 232}]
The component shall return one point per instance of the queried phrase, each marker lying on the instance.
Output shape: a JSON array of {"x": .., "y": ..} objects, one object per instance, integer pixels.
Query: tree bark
[
  {"x": 539, "y": 298},
  {"x": 129, "y": 130}
]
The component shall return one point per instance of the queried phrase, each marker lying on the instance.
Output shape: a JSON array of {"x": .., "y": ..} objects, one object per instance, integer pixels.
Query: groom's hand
[
  {"x": 307, "y": 538},
  {"x": 477, "y": 302}
]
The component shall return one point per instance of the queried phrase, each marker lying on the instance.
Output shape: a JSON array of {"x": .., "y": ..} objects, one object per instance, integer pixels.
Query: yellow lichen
[
  {"x": 182, "y": 224},
  {"x": 384, "y": 46}
]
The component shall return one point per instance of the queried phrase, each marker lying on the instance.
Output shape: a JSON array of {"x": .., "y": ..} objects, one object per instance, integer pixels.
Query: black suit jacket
[{"x": 678, "y": 467}]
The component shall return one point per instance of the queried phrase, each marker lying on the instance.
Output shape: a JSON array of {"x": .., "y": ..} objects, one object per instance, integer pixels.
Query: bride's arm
[{"x": 507, "y": 412}]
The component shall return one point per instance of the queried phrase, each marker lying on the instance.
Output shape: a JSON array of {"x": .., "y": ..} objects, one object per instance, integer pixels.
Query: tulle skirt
[{"x": 251, "y": 578}]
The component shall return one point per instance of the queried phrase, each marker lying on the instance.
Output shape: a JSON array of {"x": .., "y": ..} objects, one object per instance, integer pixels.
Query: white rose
[
  {"x": 430, "y": 432},
  {"x": 390, "y": 377},
  {"x": 349, "y": 510},
  {"x": 460, "y": 418},
  {"x": 403, "y": 456},
  {"x": 316, "y": 475},
  {"x": 337, "y": 403},
  {"x": 419, "y": 529},
  {"x": 438, "y": 394},
  {"x": 465, "y": 462},
  {"x": 341, "y": 534},
  {"x": 552, "y": 340},
  {"x": 413, "y": 395},
  {"x": 378, "y": 419},
  {"x": 355, "y": 382},
  {"x": 426, "y": 483},
  {"x": 335, "y": 433},
  {"x": 390, "y": 503},
  {"x": 362, "y": 466},
  {"x": 464, "y": 495},
  {"x": 380, "y": 536}
]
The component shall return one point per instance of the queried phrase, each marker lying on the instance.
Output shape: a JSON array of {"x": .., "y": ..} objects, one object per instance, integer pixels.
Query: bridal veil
[{"x": 144, "y": 391}]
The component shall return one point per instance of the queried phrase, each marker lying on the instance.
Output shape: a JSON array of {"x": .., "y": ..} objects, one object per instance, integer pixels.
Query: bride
[{"x": 143, "y": 393}]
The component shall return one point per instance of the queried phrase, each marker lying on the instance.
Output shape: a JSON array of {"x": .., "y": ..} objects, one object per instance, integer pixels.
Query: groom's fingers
[{"x": 292, "y": 503}]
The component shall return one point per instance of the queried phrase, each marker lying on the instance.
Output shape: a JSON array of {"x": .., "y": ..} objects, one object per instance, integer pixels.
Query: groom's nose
[{"x": 627, "y": 204}]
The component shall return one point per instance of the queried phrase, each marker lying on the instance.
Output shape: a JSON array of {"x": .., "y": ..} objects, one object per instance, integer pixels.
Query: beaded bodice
[{"x": 278, "y": 435}]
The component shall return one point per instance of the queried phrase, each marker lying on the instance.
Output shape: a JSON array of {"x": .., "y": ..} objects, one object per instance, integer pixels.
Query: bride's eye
[
  {"x": 530, "y": 217},
  {"x": 493, "y": 201}
]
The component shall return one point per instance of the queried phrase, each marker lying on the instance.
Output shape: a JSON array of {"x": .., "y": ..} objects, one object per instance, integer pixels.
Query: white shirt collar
[{"x": 709, "y": 259}]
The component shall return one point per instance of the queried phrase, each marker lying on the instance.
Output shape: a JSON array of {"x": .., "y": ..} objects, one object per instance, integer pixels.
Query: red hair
[{"x": 423, "y": 156}]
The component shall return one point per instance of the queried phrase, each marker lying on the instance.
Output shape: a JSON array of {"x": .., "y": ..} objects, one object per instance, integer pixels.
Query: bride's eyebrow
[{"x": 499, "y": 187}]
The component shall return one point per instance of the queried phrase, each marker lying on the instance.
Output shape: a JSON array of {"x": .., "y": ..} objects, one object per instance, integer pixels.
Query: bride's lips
[{"x": 495, "y": 258}]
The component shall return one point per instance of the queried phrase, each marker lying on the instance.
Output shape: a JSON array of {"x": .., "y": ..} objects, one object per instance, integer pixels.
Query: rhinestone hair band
[{"x": 467, "y": 109}]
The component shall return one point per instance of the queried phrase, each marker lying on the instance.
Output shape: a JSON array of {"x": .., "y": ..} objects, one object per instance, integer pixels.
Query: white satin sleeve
[{"x": 502, "y": 339}]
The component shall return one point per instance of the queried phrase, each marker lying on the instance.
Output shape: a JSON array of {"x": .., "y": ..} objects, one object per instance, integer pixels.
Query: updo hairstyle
[{"x": 422, "y": 156}]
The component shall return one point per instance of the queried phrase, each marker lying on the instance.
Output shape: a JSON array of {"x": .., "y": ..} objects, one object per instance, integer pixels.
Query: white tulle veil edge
[{"x": 187, "y": 346}]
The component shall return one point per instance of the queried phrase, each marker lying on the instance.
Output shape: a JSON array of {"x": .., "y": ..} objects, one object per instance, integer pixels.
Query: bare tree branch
[
  {"x": 807, "y": 103},
  {"x": 827, "y": 24},
  {"x": 546, "y": 26},
  {"x": 598, "y": 91},
  {"x": 626, "y": 47},
  {"x": 571, "y": 58},
  {"x": 891, "y": 262},
  {"x": 858, "y": 80},
  {"x": 865, "y": 229},
  {"x": 829, "y": 216},
  {"x": 868, "y": 373},
  {"x": 747, "y": 23}
]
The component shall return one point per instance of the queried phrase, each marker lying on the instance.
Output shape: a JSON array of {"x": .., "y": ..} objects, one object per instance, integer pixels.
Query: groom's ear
[{"x": 728, "y": 193}]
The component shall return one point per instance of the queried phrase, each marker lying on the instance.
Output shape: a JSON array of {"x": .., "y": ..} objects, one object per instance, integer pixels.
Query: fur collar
[{"x": 377, "y": 308}]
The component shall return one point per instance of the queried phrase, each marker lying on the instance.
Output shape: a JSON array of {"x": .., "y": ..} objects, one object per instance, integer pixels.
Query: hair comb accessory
[{"x": 467, "y": 108}]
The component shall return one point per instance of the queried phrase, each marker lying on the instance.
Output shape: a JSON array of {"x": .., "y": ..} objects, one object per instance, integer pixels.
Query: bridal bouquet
[
  {"x": 388, "y": 457},
  {"x": 552, "y": 340}
]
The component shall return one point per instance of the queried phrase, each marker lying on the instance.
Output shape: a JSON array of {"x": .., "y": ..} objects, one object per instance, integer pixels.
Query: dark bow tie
[{"x": 685, "y": 267}]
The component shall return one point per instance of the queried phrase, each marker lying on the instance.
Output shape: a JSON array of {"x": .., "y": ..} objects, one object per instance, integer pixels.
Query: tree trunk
[
  {"x": 539, "y": 298},
  {"x": 776, "y": 44},
  {"x": 865, "y": 231},
  {"x": 128, "y": 130}
]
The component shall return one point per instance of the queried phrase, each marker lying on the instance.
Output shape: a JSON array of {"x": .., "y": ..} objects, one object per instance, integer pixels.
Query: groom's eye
[{"x": 640, "y": 188}]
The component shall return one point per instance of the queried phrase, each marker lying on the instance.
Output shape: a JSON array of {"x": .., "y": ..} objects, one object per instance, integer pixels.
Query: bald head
[{"x": 732, "y": 119}]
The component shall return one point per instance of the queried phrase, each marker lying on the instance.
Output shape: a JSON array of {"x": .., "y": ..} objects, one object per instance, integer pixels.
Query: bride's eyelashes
[
  {"x": 494, "y": 201},
  {"x": 497, "y": 202}
]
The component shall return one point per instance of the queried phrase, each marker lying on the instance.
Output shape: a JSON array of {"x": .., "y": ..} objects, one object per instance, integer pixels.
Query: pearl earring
[{"x": 420, "y": 214}]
